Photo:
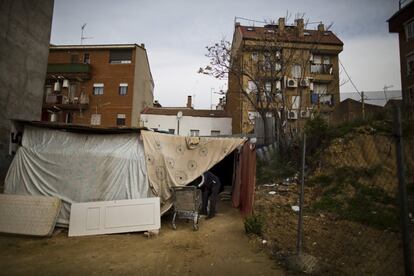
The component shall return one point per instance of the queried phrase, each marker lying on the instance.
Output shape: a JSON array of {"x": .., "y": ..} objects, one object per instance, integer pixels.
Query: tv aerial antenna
[{"x": 84, "y": 37}]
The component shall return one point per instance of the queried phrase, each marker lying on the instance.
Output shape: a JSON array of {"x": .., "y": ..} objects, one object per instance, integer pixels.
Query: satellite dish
[{"x": 179, "y": 114}]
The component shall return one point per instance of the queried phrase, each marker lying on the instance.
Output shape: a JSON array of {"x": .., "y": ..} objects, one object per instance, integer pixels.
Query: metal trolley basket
[{"x": 186, "y": 204}]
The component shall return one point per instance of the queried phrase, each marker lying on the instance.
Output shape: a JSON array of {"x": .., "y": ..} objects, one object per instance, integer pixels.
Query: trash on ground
[
  {"x": 295, "y": 208},
  {"x": 269, "y": 185},
  {"x": 272, "y": 193}
]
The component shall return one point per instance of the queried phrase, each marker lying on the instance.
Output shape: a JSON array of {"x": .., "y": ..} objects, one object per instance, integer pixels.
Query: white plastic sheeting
[{"x": 78, "y": 167}]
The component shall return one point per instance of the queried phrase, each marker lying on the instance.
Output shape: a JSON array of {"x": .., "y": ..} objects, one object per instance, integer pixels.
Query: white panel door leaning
[{"x": 117, "y": 216}]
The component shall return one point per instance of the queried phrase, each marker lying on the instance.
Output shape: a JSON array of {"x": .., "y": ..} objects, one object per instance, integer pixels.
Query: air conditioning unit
[
  {"x": 291, "y": 83},
  {"x": 293, "y": 114},
  {"x": 304, "y": 113},
  {"x": 304, "y": 82}
]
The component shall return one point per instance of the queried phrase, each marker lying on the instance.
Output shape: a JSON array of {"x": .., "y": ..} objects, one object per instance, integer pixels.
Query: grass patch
[
  {"x": 345, "y": 195},
  {"x": 275, "y": 169},
  {"x": 254, "y": 225}
]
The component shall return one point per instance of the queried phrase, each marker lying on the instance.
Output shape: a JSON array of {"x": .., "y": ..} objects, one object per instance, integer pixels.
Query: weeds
[
  {"x": 275, "y": 169},
  {"x": 254, "y": 225},
  {"x": 369, "y": 205}
]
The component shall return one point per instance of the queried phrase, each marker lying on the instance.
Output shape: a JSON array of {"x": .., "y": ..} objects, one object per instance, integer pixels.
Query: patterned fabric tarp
[{"x": 174, "y": 161}]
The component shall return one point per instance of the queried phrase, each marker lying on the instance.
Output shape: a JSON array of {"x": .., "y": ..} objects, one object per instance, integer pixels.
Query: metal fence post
[
  {"x": 302, "y": 180},
  {"x": 402, "y": 193}
]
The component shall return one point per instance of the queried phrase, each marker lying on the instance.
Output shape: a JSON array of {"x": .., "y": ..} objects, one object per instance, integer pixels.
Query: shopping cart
[{"x": 186, "y": 204}]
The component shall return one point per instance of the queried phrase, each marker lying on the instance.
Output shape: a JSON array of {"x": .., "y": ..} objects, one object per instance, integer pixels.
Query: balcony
[
  {"x": 71, "y": 71},
  {"x": 321, "y": 69},
  {"x": 322, "y": 72},
  {"x": 60, "y": 101}
]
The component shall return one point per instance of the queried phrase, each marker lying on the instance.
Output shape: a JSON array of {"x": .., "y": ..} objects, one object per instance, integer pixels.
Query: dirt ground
[{"x": 220, "y": 247}]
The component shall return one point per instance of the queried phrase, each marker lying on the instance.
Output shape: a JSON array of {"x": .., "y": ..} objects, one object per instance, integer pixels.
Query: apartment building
[
  {"x": 101, "y": 85},
  {"x": 288, "y": 70},
  {"x": 402, "y": 22}
]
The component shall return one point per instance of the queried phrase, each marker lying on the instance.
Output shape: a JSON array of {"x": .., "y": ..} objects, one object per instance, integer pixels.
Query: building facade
[
  {"x": 26, "y": 27},
  {"x": 186, "y": 121},
  {"x": 402, "y": 22},
  {"x": 286, "y": 70},
  {"x": 102, "y": 85}
]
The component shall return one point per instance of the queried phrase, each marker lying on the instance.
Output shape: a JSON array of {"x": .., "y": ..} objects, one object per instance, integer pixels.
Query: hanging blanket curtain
[{"x": 174, "y": 161}]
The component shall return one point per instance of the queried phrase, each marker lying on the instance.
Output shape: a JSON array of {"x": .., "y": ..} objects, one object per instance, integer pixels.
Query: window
[
  {"x": 410, "y": 64},
  {"x": 326, "y": 60},
  {"x": 409, "y": 30},
  {"x": 278, "y": 85},
  {"x": 98, "y": 88},
  {"x": 320, "y": 88},
  {"x": 215, "y": 132},
  {"x": 123, "y": 89},
  {"x": 120, "y": 119},
  {"x": 95, "y": 119},
  {"x": 255, "y": 56},
  {"x": 251, "y": 87},
  {"x": 268, "y": 87},
  {"x": 171, "y": 131},
  {"x": 295, "y": 102},
  {"x": 120, "y": 56},
  {"x": 321, "y": 65},
  {"x": 194, "y": 132},
  {"x": 326, "y": 99},
  {"x": 296, "y": 71},
  {"x": 86, "y": 58}
]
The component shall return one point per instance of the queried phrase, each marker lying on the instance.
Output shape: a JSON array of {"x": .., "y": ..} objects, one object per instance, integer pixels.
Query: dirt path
[{"x": 220, "y": 247}]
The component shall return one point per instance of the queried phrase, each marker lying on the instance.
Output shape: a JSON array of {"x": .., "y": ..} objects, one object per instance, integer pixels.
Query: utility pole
[
  {"x": 363, "y": 105},
  {"x": 302, "y": 183}
]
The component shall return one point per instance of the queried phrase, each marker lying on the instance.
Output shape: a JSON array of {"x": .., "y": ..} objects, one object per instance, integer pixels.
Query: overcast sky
[{"x": 176, "y": 32}]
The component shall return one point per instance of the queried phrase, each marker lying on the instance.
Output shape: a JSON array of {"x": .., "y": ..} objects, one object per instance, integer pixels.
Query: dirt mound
[{"x": 351, "y": 221}]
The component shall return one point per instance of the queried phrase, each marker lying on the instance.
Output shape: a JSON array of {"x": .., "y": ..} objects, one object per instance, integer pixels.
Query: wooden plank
[
  {"x": 118, "y": 216},
  {"x": 28, "y": 215}
]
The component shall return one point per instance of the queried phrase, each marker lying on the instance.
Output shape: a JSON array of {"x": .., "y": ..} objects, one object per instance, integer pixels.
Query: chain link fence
[{"x": 351, "y": 219}]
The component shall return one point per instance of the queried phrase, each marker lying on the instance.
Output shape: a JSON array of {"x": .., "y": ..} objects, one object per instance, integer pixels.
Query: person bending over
[{"x": 210, "y": 188}]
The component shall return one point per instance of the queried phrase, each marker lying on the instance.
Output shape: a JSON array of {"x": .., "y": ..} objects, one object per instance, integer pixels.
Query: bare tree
[{"x": 261, "y": 70}]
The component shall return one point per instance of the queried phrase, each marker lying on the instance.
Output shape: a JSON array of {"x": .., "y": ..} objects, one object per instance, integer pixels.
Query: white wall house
[{"x": 187, "y": 121}]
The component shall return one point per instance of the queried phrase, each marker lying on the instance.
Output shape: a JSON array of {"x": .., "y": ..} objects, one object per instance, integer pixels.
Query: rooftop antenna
[{"x": 84, "y": 37}]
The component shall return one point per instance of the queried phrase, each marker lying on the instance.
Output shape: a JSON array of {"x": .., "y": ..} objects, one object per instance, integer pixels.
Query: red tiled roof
[
  {"x": 186, "y": 112},
  {"x": 290, "y": 35}
]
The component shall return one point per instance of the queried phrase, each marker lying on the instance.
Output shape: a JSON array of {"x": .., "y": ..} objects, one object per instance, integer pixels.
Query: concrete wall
[
  {"x": 25, "y": 27},
  {"x": 144, "y": 86},
  {"x": 203, "y": 124}
]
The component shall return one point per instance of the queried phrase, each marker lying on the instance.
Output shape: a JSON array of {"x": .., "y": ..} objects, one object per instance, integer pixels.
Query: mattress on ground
[{"x": 28, "y": 215}]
